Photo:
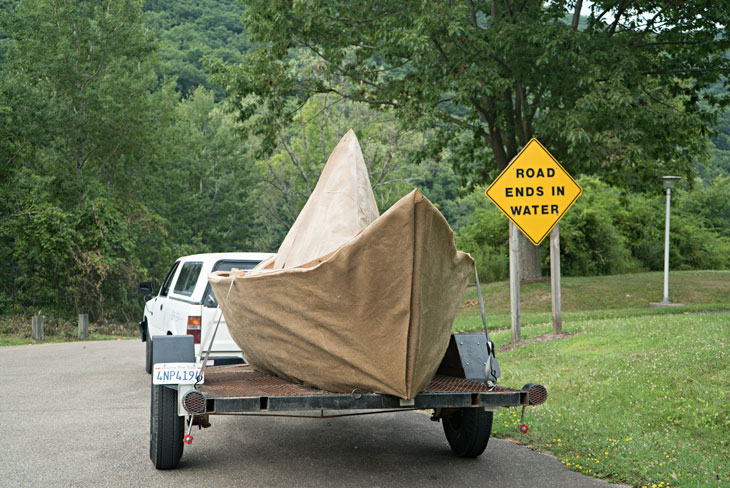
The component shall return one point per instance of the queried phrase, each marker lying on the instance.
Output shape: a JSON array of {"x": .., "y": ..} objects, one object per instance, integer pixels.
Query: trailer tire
[
  {"x": 468, "y": 431},
  {"x": 166, "y": 428},
  {"x": 148, "y": 352}
]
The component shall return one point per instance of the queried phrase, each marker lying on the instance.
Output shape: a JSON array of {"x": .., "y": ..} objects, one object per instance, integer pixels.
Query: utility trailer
[{"x": 462, "y": 395}]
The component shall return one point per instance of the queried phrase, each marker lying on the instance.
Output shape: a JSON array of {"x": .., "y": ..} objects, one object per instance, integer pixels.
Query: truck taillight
[{"x": 194, "y": 327}]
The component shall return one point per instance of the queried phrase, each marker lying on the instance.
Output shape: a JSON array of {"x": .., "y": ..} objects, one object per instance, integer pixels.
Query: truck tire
[
  {"x": 468, "y": 431},
  {"x": 167, "y": 428},
  {"x": 148, "y": 362}
]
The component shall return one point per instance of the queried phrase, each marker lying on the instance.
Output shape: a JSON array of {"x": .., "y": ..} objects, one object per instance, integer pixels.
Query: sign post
[
  {"x": 514, "y": 283},
  {"x": 555, "y": 279},
  {"x": 534, "y": 191}
]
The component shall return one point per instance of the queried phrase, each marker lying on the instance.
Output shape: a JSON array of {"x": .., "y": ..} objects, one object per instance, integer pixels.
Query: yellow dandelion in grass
[
  {"x": 667, "y": 458},
  {"x": 628, "y": 439},
  {"x": 605, "y": 453}
]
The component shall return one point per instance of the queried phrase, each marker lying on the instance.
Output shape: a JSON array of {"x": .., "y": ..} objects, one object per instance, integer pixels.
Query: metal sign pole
[{"x": 514, "y": 281}]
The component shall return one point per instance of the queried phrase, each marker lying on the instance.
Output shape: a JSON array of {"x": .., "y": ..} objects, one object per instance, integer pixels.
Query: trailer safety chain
[{"x": 489, "y": 370}]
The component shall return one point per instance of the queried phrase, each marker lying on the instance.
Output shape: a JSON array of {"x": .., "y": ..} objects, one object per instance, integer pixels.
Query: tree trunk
[{"x": 529, "y": 260}]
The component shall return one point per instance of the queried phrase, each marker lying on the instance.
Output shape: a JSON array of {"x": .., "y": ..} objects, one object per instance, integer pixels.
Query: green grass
[
  {"x": 638, "y": 395},
  {"x": 15, "y": 330},
  {"x": 597, "y": 297},
  {"x": 639, "y": 400}
]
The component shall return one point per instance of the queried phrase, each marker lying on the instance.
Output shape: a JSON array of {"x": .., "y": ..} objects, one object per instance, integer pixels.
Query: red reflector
[{"x": 195, "y": 333}]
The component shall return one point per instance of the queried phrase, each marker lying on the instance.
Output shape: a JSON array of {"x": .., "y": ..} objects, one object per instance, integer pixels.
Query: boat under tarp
[{"x": 372, "y": 313}]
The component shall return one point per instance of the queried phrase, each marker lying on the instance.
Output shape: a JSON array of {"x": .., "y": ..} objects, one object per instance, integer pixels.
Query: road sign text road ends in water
[{"x": 534, "y": 191}]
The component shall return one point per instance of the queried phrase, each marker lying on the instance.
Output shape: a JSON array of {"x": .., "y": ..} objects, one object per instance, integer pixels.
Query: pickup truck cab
[{"x": 186, "y": 305}]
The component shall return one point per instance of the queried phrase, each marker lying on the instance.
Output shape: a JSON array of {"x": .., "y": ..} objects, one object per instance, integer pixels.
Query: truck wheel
[
  {"x": 468, "y": 431},
  {"x": 148, "y": 353},
  {"x": 166, "y": 428}
]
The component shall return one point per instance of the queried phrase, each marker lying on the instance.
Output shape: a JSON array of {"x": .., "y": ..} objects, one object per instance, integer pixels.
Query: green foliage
[
  {"x": 591, "y": 241},
  {"x": 289, "y": 175},
  {"x": 612, "y": 231},
  {"x": 108, "y": 171},
  {"x": 190, "y": 31},
  {"x": 86, "y": 110},
  {"x": 203, "y": 189},
  {"x": 485, "y": 237},
  {"x": 610, "y": 98}
]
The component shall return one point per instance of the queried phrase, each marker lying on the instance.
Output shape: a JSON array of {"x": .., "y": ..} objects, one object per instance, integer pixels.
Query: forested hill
[{"x": 190, "y": 30}]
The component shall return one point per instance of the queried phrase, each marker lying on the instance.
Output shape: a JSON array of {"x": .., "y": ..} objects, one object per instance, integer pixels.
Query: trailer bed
[{"x": 241, "y": 389}]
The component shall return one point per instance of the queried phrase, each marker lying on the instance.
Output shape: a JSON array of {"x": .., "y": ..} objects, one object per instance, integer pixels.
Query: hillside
[{"x": 189, "y": 31}]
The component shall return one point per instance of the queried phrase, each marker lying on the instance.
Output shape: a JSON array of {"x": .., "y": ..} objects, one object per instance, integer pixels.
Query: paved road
[{"x": 77, "y": 414}]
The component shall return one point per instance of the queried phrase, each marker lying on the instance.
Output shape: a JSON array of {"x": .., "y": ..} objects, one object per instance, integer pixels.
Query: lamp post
[{"x": 669, "y": 182}]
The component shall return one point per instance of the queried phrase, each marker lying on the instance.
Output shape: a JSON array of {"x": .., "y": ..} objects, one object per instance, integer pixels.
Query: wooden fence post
[
  {"x": 514, "y": 282},
  {"x": 555, "y": 279},
  {"x": 83, "y": 326},
  {"x": 37, "y": 328}
]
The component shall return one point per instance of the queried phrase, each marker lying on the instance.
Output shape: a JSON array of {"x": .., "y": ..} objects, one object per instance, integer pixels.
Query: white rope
[{"x": 215, "y": 330}]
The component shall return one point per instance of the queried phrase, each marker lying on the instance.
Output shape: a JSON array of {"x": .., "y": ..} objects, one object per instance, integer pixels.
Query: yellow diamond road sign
[{"x": 534, "y": 191}]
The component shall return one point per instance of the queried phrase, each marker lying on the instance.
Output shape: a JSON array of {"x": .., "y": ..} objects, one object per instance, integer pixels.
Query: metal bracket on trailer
[
  {"x": 174, "y": 349},
  {"x": 466, "y": 357}
]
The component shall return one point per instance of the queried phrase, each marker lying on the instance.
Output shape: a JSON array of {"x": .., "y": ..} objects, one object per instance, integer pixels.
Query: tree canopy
[{"x": 621, "y": 95}]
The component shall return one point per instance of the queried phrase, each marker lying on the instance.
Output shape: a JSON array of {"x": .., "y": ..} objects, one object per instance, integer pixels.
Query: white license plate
[{"x": 177, "y": 373}]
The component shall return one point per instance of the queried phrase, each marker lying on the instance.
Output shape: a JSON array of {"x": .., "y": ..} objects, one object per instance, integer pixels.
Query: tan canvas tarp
[
  {"x": 374, "y": 315},
  {"x": 341, "y": 205}
]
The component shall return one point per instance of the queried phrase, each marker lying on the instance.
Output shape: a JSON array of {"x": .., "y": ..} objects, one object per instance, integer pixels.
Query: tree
[
  {"x": 288, "y": 176},
  {"x": 620, "y": 95},
  {"x": 86, "y": 117},
  {"x": 204, "y": 189}
]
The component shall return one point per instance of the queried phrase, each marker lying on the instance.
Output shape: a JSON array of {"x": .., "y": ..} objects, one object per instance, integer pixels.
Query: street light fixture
[{"x": 669, "y": 182}]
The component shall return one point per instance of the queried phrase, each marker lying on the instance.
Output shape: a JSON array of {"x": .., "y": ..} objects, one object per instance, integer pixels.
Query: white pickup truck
[{"x": 186, "y": 305}]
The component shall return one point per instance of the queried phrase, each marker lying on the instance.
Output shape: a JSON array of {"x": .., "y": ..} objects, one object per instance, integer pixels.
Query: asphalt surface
[{"x": 77, "y": 414}]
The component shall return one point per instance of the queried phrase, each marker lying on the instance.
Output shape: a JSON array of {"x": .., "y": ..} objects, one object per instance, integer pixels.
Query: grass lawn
[
  {"x": 643, "y": 400},
  {"x": 598, "y": 297},
  {"x": 15, "y": 330}
]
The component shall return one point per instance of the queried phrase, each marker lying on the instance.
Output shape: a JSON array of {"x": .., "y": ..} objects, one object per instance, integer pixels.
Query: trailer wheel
[
  {"x": 166, "y": 428},
  {"x": 468, "y": 431},
  {"x": 148, "y": 353}
]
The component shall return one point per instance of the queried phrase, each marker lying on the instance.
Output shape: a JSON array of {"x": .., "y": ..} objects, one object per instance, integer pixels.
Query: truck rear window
[
  {"x": 209, "y": 300},
  {"x": 188, "y": 278}
]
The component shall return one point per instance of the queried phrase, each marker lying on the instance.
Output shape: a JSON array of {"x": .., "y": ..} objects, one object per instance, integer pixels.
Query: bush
[
  {"x": 485, "y": 237},
  {"x": 611, "y": 231}
]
